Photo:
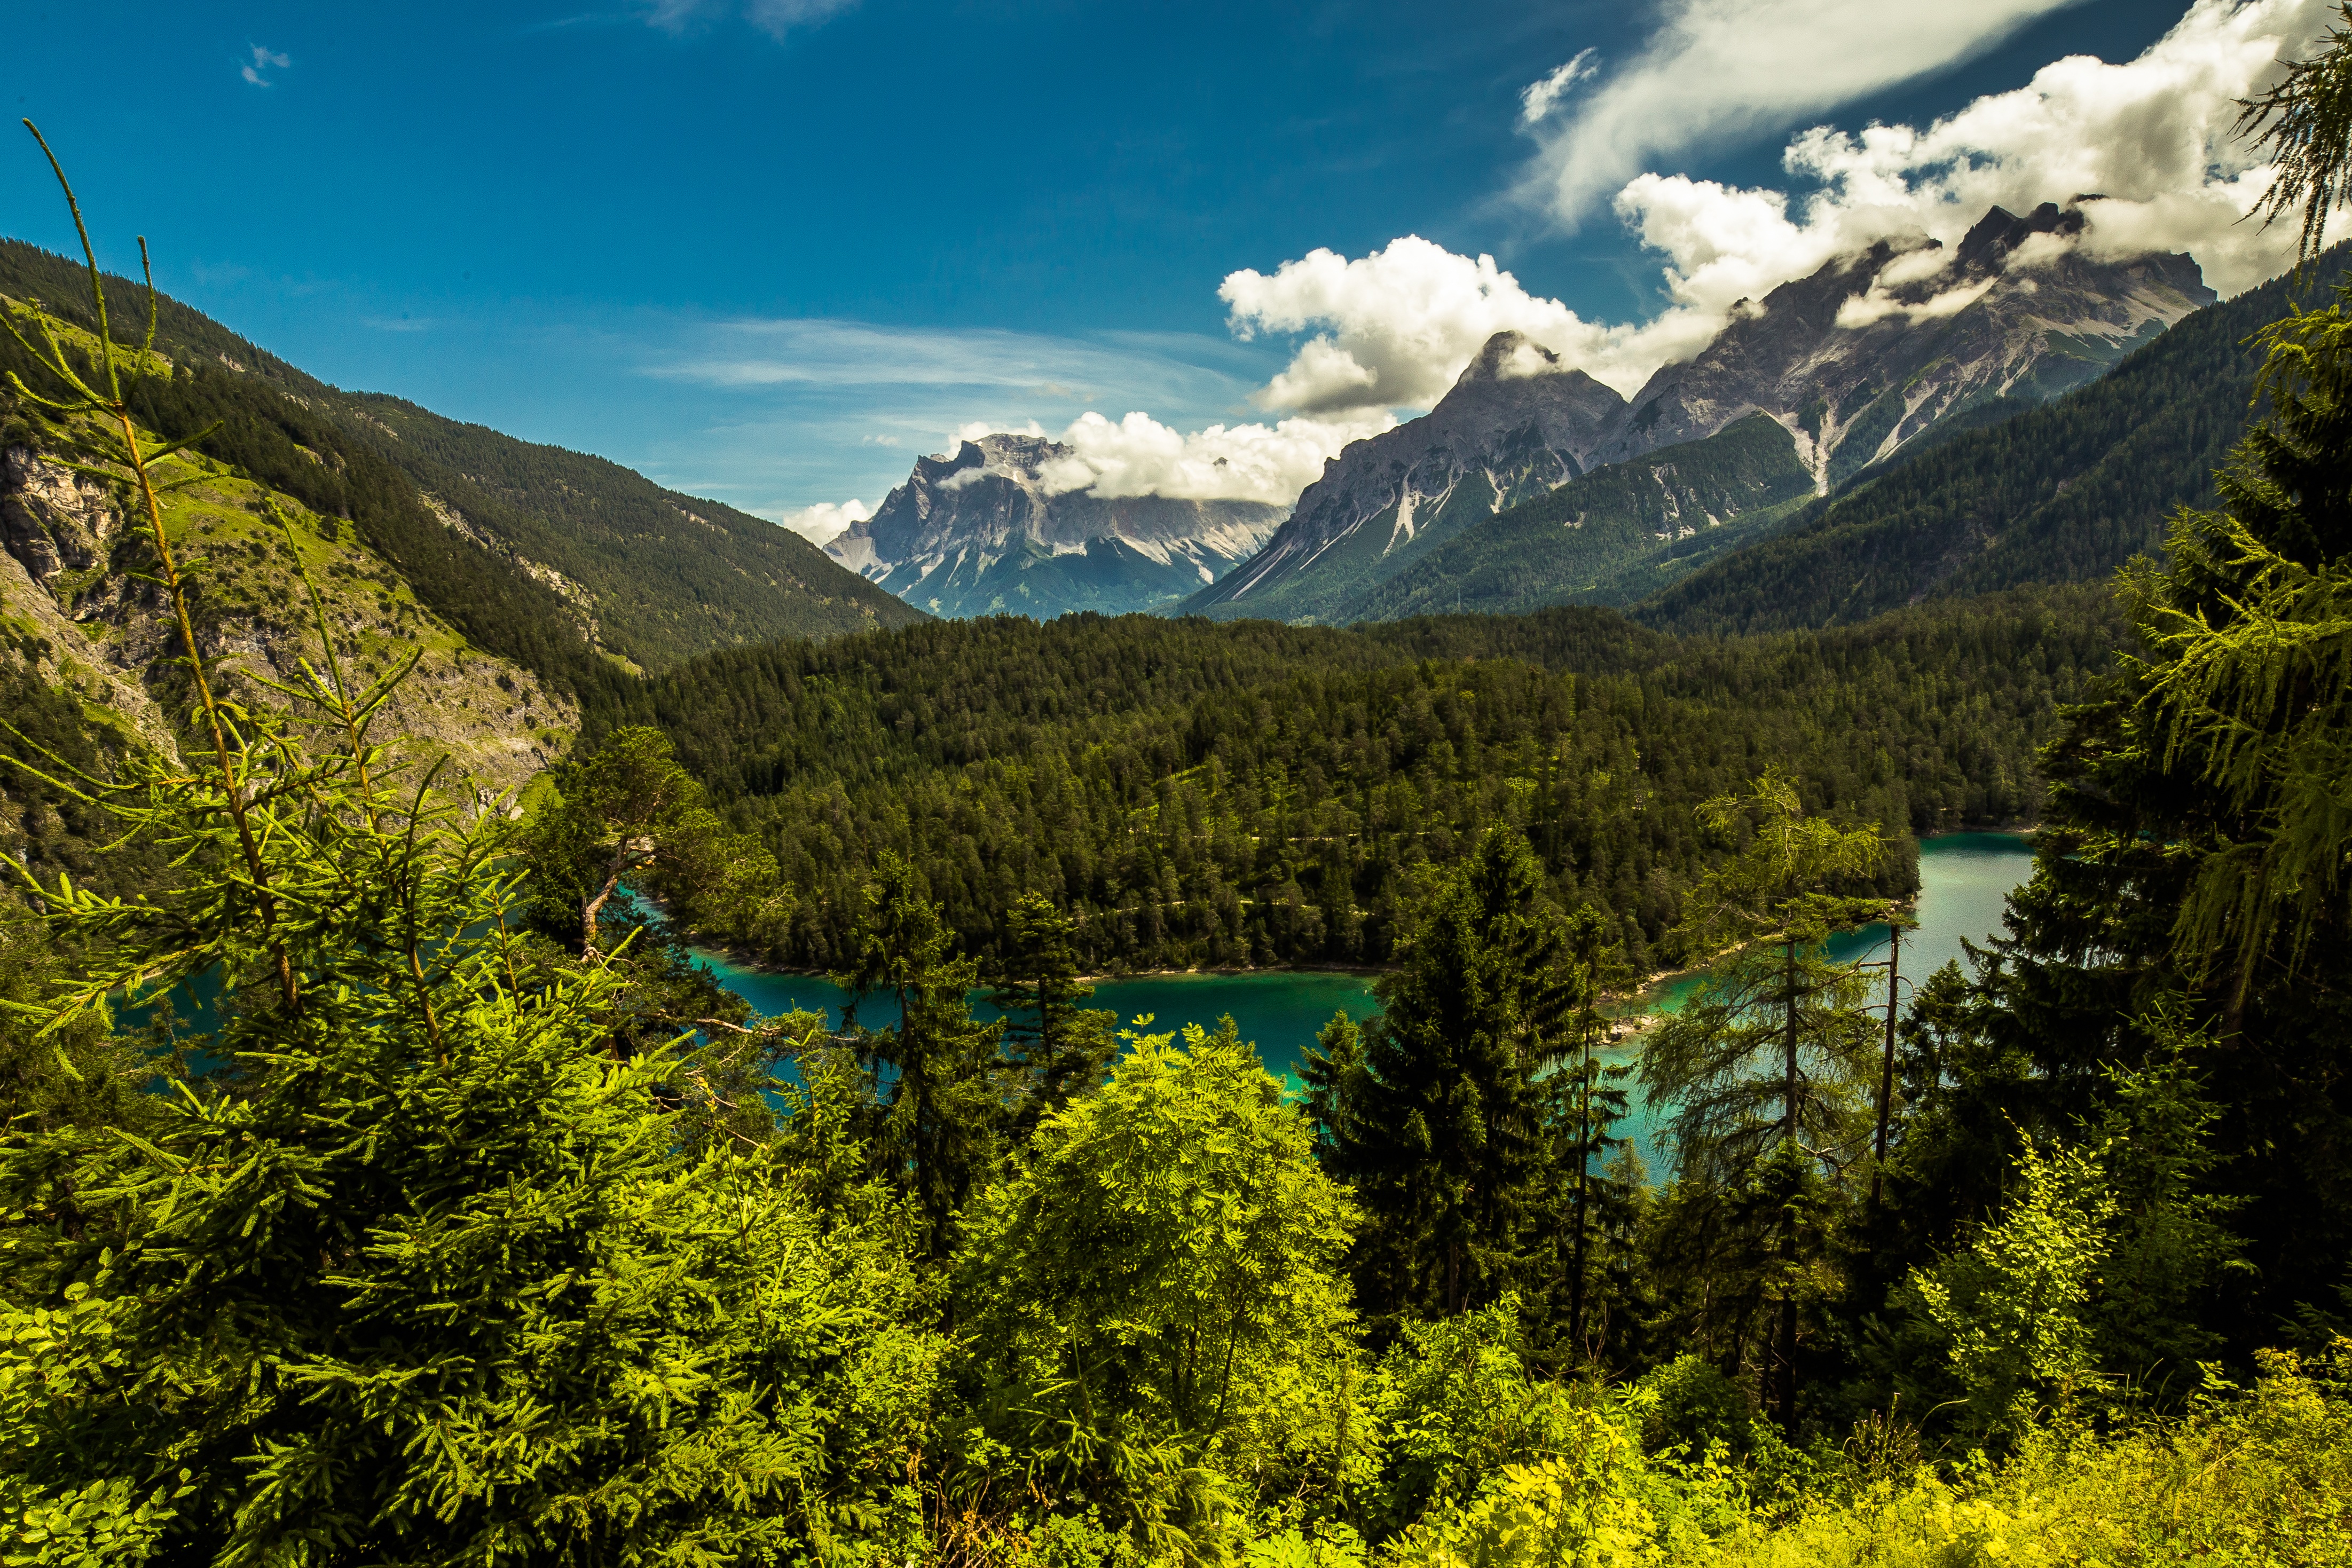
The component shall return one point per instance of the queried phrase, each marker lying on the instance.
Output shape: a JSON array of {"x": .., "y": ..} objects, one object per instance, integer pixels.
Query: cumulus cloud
[
  {"x": 2149, "y": 137},
  {"x": 1725, "y": 68},
  {"x": 1393, "y": 329},
  {"x": 825, "y": 520},
  {"x": 263, "y": 60},
  {"x": 1397, "y": 326},
  {"x": 1138, "y": 456}
]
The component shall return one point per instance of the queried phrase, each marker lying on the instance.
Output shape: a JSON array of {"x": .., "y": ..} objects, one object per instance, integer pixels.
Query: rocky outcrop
[
  {"x": 984, "y": 531},
  {"x": 1514, "y": 426},
  {"x": 576, "y": 597},
  {"x": 90, "y": 626},
  {"x": 52, "y": 519},
  {"x": 1875, "y": 349}
]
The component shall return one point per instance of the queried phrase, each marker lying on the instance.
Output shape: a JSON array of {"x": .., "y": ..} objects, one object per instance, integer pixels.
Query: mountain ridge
[
  {"x": 1869, "y": 354},
  {"x": 670, "y": 574},
  {"x": 1515, "y": 424},
  {"x": 1876, "y": 348},
  {"x": 2064, "y": 492},
  {"x": 984, "y": 530}
]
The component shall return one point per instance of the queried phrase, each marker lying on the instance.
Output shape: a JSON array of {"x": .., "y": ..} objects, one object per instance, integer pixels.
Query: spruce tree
[
  {"x": 1588, "y": 1100},
  {"x": 1060, "y": 1049},
  {"x": 944, "y": 1115},
  {"x": 2195, "y": 847},
  {"x": 434, "y": 1283},
  {"x": 2198, "y": 836},
  {"x": 1442, "y": 1125},
  {"x": 1766, "y": 1067}
]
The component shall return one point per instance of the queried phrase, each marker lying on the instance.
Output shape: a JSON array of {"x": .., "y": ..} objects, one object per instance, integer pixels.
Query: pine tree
[
  {"x": 1061, "y": 1049},
  {"x": 945, "y": 1113},
  {"x": 1766, "y": 1065},
  {"x": 629, "y": 812}
]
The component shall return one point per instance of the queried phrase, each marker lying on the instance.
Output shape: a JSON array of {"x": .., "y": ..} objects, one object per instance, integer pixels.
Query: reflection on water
[
  {"x": 1281, "y": 1011},
  {"x": 1963, "y": 880}
]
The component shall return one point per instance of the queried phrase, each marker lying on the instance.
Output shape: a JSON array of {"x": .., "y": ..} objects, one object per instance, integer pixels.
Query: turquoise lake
[{"x": 1963, "y": 880}]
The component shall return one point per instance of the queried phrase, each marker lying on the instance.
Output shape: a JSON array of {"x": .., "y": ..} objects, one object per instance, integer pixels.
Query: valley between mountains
[{"x": 400, "y": 1169}]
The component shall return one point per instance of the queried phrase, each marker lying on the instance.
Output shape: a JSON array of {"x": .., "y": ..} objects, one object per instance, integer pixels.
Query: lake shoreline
[{"x": 1649, "y": 983}]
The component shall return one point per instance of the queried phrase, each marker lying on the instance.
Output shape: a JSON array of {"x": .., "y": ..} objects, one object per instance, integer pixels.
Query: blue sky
[{"x": 770, "y": 250}]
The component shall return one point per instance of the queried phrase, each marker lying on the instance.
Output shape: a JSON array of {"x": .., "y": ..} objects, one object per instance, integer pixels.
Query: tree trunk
[
  {"x": 1583, "y": 1161},
  {"x": 633, "y": 855},
  {"x": 1790, "y": 1089},
  {"x": 1886, "y": 1071}
]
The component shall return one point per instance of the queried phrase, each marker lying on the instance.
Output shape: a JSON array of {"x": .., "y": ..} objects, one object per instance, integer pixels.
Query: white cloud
[
  {"x": 825, "y": 520},
  {"x": 1396, "y": 326},
  {"x": 773, "y": 17},
  {"x": 1718, "y": 69},
  {"x": 2150, "y": 135},
  {"x": 818, "y": 352},
  {"x": 1539, "y": 97},
  {"x": 1138, "y": 456},
  {"x": 263, "y": 60}
]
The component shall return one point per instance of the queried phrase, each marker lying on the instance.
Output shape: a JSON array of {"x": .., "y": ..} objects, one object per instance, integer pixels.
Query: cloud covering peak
[{"x": 2150, "y": 138}]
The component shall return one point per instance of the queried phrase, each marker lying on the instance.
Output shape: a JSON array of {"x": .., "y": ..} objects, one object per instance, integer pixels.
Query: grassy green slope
[
  {"x": 1573, "y": 544},
  {"x": 79, "y": 609},
  {"x": 2064, "y": 493}
]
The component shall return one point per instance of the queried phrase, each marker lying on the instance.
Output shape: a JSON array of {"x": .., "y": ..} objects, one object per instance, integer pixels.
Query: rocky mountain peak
[
  {"x": 1986, "y": 247},
  {"x": 1509, "y": 355},
  {"x": 980, "y": 531},
  {"x": 1515, "y": 424},
  {"x": 1873, "y": 347}
]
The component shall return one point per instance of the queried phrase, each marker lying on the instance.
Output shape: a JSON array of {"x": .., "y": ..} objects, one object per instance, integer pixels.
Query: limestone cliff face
[
  {"x": 1872, "y": 351},
  {"x": 53, "y": 519},
  {"x": 984, "y": 532},
  {"x": 1515, "y": 426},
  {"x": 67, "y": 572}
]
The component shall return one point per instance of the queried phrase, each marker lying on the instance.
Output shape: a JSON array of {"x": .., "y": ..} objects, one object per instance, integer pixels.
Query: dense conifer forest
[
  {"x": 463, "y": 1220},
  {"x": 1201, "y": 794}
]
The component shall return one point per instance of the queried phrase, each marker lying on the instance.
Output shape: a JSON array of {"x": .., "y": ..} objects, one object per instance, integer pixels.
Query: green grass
[{"x": 2254, "y": 1477}]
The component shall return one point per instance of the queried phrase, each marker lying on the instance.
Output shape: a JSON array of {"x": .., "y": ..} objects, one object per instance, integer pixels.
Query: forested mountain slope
[
  {"x": 533, "y": 550},
  {"x": 1576, "y": 544},
  {"x": 2064, "y": 493},
  {"x": 1199, "y": 793},
  {"x": 659, "y": 576},
  {"x": 84, "y": 623},
  {"x": 1514, "y": 426}
]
